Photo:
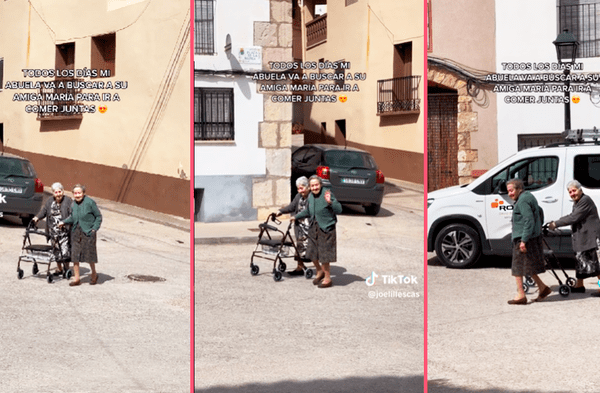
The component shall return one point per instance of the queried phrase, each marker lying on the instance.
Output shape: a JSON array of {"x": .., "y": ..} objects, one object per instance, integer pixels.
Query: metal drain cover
[{"x": 143, "y": 278}]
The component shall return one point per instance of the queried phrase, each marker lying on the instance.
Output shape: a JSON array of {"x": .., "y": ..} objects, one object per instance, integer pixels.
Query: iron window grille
[
  {"x": 581, "y": 18},
  {"x": 204, "y": 40},
  {"x": 213, "y": 114}
]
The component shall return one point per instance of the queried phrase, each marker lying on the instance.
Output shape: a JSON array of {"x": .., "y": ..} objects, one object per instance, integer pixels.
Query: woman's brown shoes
[
  {"x": 518, "y": 301},
  {"x": 94, "y": 280},
  {"x": 544, "y": 294},
  {"x": 326, "y": 285},
  {"x": 74, "y": 283}
]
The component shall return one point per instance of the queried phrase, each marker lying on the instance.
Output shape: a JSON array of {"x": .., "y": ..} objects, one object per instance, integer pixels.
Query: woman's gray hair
[
  {"x": 517, "y": 184},
  {"x": 302, "y": 181},
  {"x": 79, "y": 186},
  {"x": 574, "y": 184},
  {"x": 316, "y": 177},
  {"x": 57, "y": 186}
]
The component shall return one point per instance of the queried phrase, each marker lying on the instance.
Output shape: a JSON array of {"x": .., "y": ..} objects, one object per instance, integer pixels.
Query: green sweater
[
  {"x": 527, "y": 218},
  {"x": 86, "y": 215},
  {"x": 318, "y": 209}
]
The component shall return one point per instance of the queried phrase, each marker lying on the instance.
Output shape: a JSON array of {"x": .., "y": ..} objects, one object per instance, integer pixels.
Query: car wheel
[
  {"x": 458, "y": 246},
  {"x": 372, "y": 209}
]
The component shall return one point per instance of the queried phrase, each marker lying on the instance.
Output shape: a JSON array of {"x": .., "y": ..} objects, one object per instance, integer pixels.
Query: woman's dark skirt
[
  {"x": 84, "y": 246},
  {"x": 531, "y": 262},
  {"x": 322, "y": 246}
]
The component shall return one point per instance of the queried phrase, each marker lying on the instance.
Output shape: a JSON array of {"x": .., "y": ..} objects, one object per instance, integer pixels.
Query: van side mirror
[{"x": 502, "y": 190}]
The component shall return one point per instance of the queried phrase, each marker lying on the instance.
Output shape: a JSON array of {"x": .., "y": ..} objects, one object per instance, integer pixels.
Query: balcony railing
[
  {"x": 398, "y": 95},
  {"x": 60, "y": 102},
  {"x": 316, "y": 31}
]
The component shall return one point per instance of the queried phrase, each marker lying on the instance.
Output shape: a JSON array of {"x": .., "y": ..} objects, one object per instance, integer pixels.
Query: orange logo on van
[{"x": 495, "y": 204}]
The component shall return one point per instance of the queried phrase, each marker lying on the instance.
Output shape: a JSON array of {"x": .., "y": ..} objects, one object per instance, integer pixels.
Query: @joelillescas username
[{"x": 392, "y": 279}]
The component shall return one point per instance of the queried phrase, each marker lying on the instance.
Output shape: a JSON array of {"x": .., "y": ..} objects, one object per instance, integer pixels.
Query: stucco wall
[{"x": 522, "y": 38}]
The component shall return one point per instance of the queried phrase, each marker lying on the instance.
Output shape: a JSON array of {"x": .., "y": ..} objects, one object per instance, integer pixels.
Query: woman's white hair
[
  {"x": 302, "y": 181},
  {"x": 574, "y": 184},
  {"x": 57, "y": 186}
]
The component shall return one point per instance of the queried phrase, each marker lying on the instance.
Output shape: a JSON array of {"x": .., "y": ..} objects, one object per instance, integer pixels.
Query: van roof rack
[{"x": 582, "y": 135}]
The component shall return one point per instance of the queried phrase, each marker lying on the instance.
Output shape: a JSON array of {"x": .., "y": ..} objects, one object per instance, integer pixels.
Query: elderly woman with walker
[
  {"x": 54, "y": 211},
  {"x": 301, "y": 226},
  {"x": 585, "y": 225}
]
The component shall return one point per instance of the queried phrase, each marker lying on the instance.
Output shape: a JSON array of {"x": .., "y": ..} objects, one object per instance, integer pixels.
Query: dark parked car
[
  {"x": 351, "y": 173},
  {"x": 21, "y": 192}
]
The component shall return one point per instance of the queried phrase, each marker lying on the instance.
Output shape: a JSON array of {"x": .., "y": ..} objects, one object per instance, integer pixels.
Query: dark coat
[
  {"x": 65, "y": 210},
  {"x": 294, "y": 208},
  {"x": 584, "y": 222}
]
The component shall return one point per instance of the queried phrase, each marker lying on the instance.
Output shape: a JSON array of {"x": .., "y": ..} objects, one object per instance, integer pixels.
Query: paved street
[
  {"x": 118, "y": 336},
  {"x": 479, "y": 343},
  {"x": 257, "y": 335}
]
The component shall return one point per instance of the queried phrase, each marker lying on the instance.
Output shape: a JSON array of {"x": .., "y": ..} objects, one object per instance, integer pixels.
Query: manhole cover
[{"x": 140, "y": 277}]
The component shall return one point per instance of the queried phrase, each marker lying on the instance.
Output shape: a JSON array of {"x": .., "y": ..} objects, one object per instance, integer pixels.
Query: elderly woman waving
[
  {"x": 86, "y": 220},
  {"x": 585, "y": 224},
  {"x": 322, "y": 208}
]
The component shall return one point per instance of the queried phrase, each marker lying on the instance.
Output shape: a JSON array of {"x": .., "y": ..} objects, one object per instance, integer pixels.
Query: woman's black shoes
[{"x": 578, "y": 290}]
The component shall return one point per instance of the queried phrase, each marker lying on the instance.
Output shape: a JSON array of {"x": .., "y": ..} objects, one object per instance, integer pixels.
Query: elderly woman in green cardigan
[
  {"x": 85, "y": 219},
  {"x": 322, "y": 208},
  {"x": 528, "y": 251}
]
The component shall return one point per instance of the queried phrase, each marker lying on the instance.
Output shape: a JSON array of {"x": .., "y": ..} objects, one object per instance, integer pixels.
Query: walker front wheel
[
  {"x": 564, "y": 290},
  {"x": 571, "y": 282},
  {"x": 35, "y": 269},
  {"x": 68, "y": 274},
  {"x": 49, "y": 278},
  {"x": 282, "y": 266},
  {"x": 308, "y": 274},
  {"x": 254, "y": 270},
  {"x": 525, "y": 287},
  {"x": 20, "y": 273},
  {"x": 277, "y": 276}
]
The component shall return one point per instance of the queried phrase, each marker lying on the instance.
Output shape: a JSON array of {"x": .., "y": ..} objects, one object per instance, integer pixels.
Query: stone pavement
[{"x": 247, "y": 231}]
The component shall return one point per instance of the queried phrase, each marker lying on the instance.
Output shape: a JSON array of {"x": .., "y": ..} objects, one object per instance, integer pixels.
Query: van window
[
  {"x": 536, "y": 173},
  {"x": 587, "y": 170}
]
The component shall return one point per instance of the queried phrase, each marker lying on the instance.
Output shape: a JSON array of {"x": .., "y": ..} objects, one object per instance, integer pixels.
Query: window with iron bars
[
  {"x": 581, "y": 18},
  {"x": 204, "y": 40},
  {"x": 213, "y": 114}
]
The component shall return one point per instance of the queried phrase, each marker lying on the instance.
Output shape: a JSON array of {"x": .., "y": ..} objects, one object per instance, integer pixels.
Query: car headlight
[{"x": 429, "y": 202}]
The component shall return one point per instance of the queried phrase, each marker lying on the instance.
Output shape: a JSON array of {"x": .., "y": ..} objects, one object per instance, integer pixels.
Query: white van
[{"x": 464, "y": 222}]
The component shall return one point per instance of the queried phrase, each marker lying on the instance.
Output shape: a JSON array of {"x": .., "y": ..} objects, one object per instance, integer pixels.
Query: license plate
[
  {"x": 347, "y": 180},
  {"x": 14, "y": 190}
]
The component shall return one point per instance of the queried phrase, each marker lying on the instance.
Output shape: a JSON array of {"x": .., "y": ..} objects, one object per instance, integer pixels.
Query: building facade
[
  {"x": 462, "y": 113},
  {"x": 78, "y": 100},
  {"x": 530, "y": 42},
  {"x": 242, "y": 138},
  {"x": 375, "y": 87}
]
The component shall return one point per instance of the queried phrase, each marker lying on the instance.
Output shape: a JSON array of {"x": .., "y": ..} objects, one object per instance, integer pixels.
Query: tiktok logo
[{"x": 371, "y": 279}]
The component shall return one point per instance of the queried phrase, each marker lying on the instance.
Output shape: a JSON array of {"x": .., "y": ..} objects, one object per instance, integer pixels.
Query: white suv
[{"x": 464, "y": 222}]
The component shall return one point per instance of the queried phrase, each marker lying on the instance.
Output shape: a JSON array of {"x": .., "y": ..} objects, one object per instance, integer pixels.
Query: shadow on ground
[
  {"x": 341, "y": 278},
  {"x": 411, "y": 384},
  {"x": 443, "y": 386}
]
